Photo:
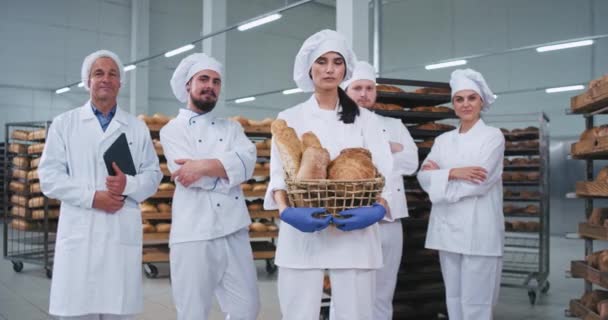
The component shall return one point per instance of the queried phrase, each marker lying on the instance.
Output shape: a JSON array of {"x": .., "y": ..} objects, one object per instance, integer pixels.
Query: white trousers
[
  {"x": 222, "y": 267},
  {"x": 472, "y": 284},
  {"x": 386, "y": 277},
  {"x": 300, "y": 293},
  {"x": 100, "y": 317}
]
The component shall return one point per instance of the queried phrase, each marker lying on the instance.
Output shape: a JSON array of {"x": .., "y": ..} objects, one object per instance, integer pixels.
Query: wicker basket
[{"x": 333, "y": 195}]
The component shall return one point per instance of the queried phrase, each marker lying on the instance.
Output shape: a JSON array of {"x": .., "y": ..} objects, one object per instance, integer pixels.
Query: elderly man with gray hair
[{"x": 98, "y": 252}]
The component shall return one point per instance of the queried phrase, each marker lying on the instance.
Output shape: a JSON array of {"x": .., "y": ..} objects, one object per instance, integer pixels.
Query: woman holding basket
[{"x": 307, "y": 246}]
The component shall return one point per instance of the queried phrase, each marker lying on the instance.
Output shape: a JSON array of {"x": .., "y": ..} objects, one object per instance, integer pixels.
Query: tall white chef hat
[
  {"x": 87, "y": 64},
  {"x": 315, "y": 46},
  {"x": 362, "y": 71},
  {"x": 469, "y": 79},
  {"x": 187, "y": 68}
]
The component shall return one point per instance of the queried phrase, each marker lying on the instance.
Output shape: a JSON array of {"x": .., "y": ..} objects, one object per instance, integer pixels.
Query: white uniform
[
  {"x": 97, "y": 264},
  {"x": 330, "y": 248},
  {"x": 210, "y": 249},
  {"x": 467, "y": 223},
  {"x": 405, "y": 162}
]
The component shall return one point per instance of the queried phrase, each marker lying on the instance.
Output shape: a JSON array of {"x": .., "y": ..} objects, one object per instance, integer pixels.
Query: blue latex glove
[
  {"x": 359, "y": 218},
  {"x": 304, "y": 219}
]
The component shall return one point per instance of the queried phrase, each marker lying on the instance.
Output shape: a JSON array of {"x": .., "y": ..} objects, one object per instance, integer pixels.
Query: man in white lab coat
[
  {"x": 97, "y": 264},
  {"x": 209, "y": 157},
  {"x": 362, "y": 89}
]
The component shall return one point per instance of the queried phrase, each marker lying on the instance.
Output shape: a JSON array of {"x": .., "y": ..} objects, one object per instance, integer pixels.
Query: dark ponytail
[{"x": 350, "y": 110}]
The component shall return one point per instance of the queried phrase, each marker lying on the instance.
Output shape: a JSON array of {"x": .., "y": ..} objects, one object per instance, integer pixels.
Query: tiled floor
[{"x": 24, "y": 296}]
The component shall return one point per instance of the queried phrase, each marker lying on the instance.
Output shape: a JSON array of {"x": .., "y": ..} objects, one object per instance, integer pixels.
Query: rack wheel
[
  {"x": 49, "y": 273},
  {"x": 271, "y": 268},
  {"x": 150, "y": 270},
  {"x": 17, "y": 266},
  {"x": 532, "y": 296},
  {"x": 546, "y": 287}
]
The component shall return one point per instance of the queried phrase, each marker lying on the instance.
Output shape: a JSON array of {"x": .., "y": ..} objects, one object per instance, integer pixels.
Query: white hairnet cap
[
  {"x": 187, "y": 68},
  {"x": 362, "y": 71},
  {"x": 85, "y": 71},
  {"x": 469, "y": 79},
  {"x": 315, "y": 46}
]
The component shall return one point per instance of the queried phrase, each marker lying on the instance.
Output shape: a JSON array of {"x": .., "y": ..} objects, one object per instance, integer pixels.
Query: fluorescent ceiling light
[
  {"x": 80, "y": 84},
  {"x": 179, "y": 50},
  {"x": 247, "y": 99},
  {"x": 130, "y": 67},
  {"x": 565, "y": 45},
  {"x": 291, "y": 91},
  {"x": 259, "y": 22},
  {"x": 62, "y": 90},
  {"x": 562, "y": 89},
  {"x": 446, "y": 64}
]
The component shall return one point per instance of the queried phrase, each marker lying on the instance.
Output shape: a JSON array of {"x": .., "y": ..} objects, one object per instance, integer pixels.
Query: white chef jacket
[
  {"x": 331, "y": 247},
  {"x": 466, "y": 218},
  {"x": 211, "y": 207},
  {"x": 405, "y": 162},
  {"x": 97, "y": 264}
]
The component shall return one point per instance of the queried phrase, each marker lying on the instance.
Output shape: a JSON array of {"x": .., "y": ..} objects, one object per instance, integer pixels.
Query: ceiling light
[
  {"x": 247, "y": 99},
  {"x": 62, "y": 90},
  {"x": 566, "y": 45},
  {"x": 446, "y": 64},
  {"x": 292, "y": 91},
  {"x": 259, "y": 22},
  {"x": 130, "y": 67},
  {"x": 179, "y": 50},
  {"x": 567, "y": 88}
]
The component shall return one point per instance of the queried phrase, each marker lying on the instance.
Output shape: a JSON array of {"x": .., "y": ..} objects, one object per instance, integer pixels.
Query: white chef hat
[
  {"x": 315, "y": 46},
  {"x": 187, "y": 68},
  {"x": 469, "y": 79},
  {"x": 362, "y": 71},
  {"x": 85, "y": 71}
]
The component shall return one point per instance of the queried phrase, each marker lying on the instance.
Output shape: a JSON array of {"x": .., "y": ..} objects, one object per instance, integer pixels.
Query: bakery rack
[
  {"x": 420, "y": 293},
  {"x": 2, "y": 174},
  {"x": 526, "y": 202},
  {"x": 589, "y": 106},
  {"x": 30, "y": 220}
]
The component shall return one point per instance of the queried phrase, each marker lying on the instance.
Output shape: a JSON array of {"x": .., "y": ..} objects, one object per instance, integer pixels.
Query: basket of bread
[
  {"x": 593, "y": 142},
  {"x": 349, "y": 181},
  {"x": 596, "y": 188}
]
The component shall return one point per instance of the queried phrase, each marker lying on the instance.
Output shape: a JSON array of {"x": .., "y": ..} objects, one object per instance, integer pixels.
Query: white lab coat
[
  {"x": 405, "y": 162},
  {"x": 211, "y": 207},
  {"x": 466, "y": 218},
  {"x": 331, "y": 247},
  {"x": 97, "y": 264}
]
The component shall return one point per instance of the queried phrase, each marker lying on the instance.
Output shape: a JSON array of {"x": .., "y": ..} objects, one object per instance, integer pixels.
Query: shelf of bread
[
  {"x": 594, "y": 99},
  {"x": 263, "y": 249},
  {"x": 593, "y": 269},
  {"x": 592, "y": 144},
  {"x": 261, "y": 170},
  {"x": 263, "y": 234},
  {"x": 521, "y": 133},
  {"x": 520, "y": 226},
  {"x": 391, "y": 94},
  {"x": 155, "y": 254},
  {"x": 155, "y": 122},
  {"x": 591, "y": 231},
  {"x": 593, "y": 305},
  {"x": 29, "y": 135},
  {"x": 153, "y": 236},
  {"x": 34, "y": 214},
  {"x": 417, "y": 114},
  {"x": 429, "y": 130},
  {"x": 37, "y": 226},
  {"x": 529, "y": 210},
  {"x": 165, "y": 191}
]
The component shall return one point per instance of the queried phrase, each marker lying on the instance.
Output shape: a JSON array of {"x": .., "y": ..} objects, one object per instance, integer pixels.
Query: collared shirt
[{"x": 104, "y": 121}]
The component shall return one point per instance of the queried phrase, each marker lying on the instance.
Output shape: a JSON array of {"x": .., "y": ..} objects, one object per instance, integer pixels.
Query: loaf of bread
[
  {"x": 309, "y": 139},
  {"x": 21, "y": 162},
  {"x": 591, "y": 299},
  {"x": 32, "y": 175},
  {"x": 166, "y": 186},
  {"x": 392, "y": 107},
  {"x": 532, "y": 209},
  {"x": 246, "y": 187},
  {"x": 529, "y": 194},
  {"x": 19, "y": 174},
  {"x": 432, "y": 126},
  {"x": 258, "y": 166},
  {"x": 289, "y": 147},
  {"x": 595, "y": 132},
  {"x": 510, "y": 145},
  {"x": 34, "y": 163},
  {"x": 19, "y": 224},
  {"x": 255, "y": 206},
  {"x": 159, "y": 118},
  {"x": 35, "y": 188},
  {"x": 164, "y": 207},
  {"x": 19, "y": 200},
  {"x": 39, "y": 134},
  {"x": 19, "y": 211},
  {"x": 602, "y": 176},
  {"x": 148, "y": 228},
  {"x": 314, "y": 164},
  {"x": 433, "y": 90},
  {"x": 257, "y": 227},
  {"x": 603, "y": 261},
  {"x": 532, "y": 226},
  {"x": 16, "y": 186},
  {"x": 37, "y": 202},
  {"x": 388, "y": 88},
  {"x": 519, "y": 225},
  {"x": 261, "y": 145},
  {"x": 432, "y": 109},
  {"x": 508, "y": 209},
  {"x": 259, "y": 187},
  {"x": 39, "y": 214},
  {"x": 145, "y": 118},
  {"x": 533, "y": 176},
  {"x": 17, "y": 148},
  {"x": 147, "y": 207},
  {"x": 352, "y": 164},
  {"x": 518, "y": 176},
  {"x": 35, "y": 148},
  {"x": 19, "y": 134},
  {"x": 241, "y": 120},
  {"x": 271, "y": 227},
  {"x": 266, "y": 165},
  {"x": 163, "y": 227}
]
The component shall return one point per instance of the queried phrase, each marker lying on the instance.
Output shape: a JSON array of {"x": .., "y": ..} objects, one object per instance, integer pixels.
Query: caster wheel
[
  {"x": 17, "y": 266},
  {"x": 532, "y": 297},
  {"x": 546, "y": 287},
  {"x": 151, "y": 271},
  {"x": 271, "y": 268},
  {"x": 49, "y": 273}
]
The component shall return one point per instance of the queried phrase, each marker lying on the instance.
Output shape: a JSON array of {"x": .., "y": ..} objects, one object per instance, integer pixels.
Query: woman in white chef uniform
[
  {"x": 307, "y": 246},
  {"x": 463, "y": 177},
  {"x": 97, "y": 266}
]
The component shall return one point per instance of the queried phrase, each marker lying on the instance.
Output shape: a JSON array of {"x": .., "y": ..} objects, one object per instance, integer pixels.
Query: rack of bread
[
  {"x": 31, "y": 222},
  {"x": 420, "y": 105},
  {"x": 526, "y": 211},
  {"x": 592, "y": 145}
]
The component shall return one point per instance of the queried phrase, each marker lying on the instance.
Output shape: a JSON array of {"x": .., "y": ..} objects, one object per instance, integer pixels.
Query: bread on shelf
[
  {"x": 21, "y": 162},
  {"x": 35, "y": 148},
  {"x": 388, "y": 88},
  {"x": 19, "y": 134},
  {"x": 17, "y": 148},
  {"x": 433, "y": 126},
  {"x": 39, "y": 134},
  {"x": 166, "y": 186},
  {"x": 257, "y": 227},
  {"x": 163, "y": 227}
]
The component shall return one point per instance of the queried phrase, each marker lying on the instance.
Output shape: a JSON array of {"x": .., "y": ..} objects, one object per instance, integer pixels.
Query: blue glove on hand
[
  {"x": 303, "y": 218},
  {"x": 359, "y": 218}
]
